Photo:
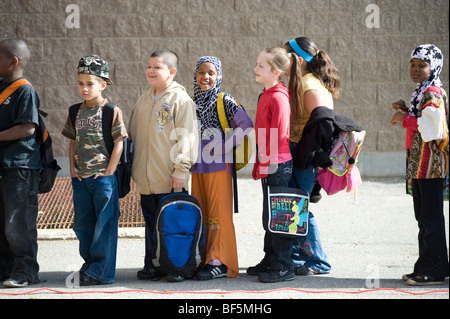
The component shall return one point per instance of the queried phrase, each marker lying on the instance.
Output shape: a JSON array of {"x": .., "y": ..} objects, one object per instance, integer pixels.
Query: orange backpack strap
[{"x": 11, "y": 89}]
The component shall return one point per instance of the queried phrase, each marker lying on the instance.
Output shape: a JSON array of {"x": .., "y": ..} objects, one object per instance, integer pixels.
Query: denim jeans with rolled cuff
[
  {"x": 96, "y": 220},
  {"x": 308, "y": 250}
]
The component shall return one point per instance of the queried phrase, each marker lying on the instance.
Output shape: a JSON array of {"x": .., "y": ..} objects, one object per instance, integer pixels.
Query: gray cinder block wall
[{"x": 369, "y": 41}]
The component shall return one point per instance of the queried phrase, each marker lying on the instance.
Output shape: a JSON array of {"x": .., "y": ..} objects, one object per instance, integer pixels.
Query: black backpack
[
  {"x": 123, "y": 171},
  {"x": 49, "y": 163}
]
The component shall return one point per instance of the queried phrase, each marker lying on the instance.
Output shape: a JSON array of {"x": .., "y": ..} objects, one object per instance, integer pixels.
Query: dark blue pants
[
  {"x": 18, "y": 233},
  {"x": 429, "y": 213},
  {"x": 149, "y": 205}
]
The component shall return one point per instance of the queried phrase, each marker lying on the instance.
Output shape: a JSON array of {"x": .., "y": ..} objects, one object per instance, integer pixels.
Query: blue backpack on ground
[{"x": 179, "y": 235}]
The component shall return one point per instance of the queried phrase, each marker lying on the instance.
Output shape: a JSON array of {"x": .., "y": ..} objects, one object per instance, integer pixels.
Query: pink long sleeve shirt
[{"x": 272, "y": 129}]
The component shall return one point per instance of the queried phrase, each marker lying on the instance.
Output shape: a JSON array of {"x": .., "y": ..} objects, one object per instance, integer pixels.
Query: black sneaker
[
  {"x": 15, "y": 282},
  {"x": 305, "y": 271},
  {"x": 274, "y": 275},
  {"x": 86, "y": 280},
  {"x": 263, "y": 266},
  {"x": 210, "y": 272},
  {"x": 149, "y": 274},
  {"x": 174, "y": 278},
  {"x": 425, "y": 281}
]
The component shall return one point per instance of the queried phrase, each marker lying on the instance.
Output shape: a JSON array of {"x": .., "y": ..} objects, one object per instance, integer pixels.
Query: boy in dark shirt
[{"x": 20, "y": 166}]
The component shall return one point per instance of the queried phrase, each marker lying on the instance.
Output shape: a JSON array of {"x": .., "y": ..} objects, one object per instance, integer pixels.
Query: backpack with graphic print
[{"x": 343, "y": 173}]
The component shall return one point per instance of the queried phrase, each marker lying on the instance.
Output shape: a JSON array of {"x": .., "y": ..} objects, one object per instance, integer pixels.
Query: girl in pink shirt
[
  {"x": 273, "y": 163},
  {"x": 273, "y": 113}
]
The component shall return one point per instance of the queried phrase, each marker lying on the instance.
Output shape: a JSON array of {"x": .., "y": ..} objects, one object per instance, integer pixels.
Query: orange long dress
[{"x": 215, "y": 195}]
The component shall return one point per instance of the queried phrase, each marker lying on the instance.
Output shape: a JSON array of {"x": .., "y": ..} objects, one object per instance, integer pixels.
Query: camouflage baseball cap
[{"x": 94, "y": 65}]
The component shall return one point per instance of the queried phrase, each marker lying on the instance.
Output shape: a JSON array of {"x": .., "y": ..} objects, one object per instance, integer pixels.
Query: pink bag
[
  {"x": 343, "y": 173},
  {"x": 330, "y": 182},
  {"x": 333, "y": 184}
]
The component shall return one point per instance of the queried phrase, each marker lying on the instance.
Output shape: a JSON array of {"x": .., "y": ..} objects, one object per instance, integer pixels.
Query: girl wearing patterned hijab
[
  {"x": 426, "y": 122},
  {"x": 211, "y": 175}
]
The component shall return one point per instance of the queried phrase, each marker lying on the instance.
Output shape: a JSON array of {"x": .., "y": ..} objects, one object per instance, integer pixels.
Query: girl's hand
[
  {"x": 400, "y": 106},
  {"x": 397, "y": 117}
]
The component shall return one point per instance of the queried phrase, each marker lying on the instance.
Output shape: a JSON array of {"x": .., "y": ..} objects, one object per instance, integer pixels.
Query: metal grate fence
[{"x": 56, "y": 207}]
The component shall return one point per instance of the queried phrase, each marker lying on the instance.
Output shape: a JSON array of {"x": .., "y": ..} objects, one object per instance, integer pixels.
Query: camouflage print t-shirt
[{"x": 91, "y": 155}]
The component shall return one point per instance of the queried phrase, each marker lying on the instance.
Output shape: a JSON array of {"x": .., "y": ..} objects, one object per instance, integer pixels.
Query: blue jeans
[
  {"x": 18, "y": 214},
  {"x": 277, "y": 248},
  {"x": 96, "y": 205},
  {"x": 308, "y": 250}
]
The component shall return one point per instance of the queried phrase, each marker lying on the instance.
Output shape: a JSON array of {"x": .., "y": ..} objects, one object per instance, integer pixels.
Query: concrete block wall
[{"x": 373, "y": 62}]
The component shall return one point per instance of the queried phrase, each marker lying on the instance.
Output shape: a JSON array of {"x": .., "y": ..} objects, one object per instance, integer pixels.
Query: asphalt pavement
[{"x": 371, "y": 242}]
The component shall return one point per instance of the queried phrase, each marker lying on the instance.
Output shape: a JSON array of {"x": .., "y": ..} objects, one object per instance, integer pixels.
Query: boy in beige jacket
[{"x": 163, "y": 127}]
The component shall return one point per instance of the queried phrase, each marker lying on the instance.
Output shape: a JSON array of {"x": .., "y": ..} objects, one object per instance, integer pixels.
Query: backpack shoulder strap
[
  {"x": 107, "y": 118},
  {"x": 73, "y": 111},
  {"x": 41, "y": 130},
  {"x": 221, "y": 111},
  {"x": 12, "y": 88}
]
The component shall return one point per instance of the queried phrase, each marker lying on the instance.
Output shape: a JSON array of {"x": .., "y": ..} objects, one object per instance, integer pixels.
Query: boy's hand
[
  {"x": 397, "y": 117},
  {"x": 105, "y": 173},
  {"x": 74, "y": 174},
  {"x": 400, "y": 106},
  {"x": 177, "y": 183}
]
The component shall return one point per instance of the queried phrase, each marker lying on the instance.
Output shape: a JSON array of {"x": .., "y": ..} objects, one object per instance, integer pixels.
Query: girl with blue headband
[{"x": 313, "y": 82}]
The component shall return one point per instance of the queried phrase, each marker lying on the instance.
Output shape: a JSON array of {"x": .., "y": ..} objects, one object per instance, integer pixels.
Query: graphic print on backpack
[
  {"x": 343, "y": 173},
  {"x": 179, "y": 235},
  {"x": 345, "y": 152}
]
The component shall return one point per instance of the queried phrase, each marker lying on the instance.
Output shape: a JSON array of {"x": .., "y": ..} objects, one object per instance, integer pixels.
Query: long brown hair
[{"x": 321, "y": 67}]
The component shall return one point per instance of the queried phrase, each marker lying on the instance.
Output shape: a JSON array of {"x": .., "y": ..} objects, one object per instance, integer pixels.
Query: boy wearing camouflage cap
[{"x": 92, "y": 168}]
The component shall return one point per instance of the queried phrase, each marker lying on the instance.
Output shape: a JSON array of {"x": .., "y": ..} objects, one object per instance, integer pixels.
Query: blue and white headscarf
[
  {"x": 433, "y": 55},
  {"x": 206, "y": 100}
]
